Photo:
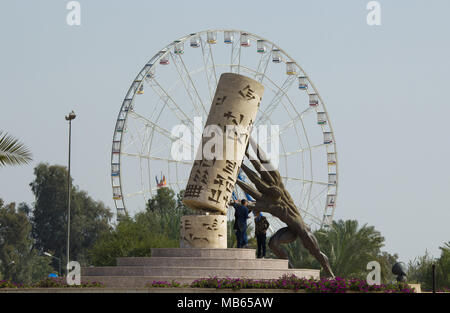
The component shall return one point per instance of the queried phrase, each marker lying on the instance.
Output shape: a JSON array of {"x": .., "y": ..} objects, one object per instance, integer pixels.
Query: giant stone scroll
[{"x": 212, "y": 180}]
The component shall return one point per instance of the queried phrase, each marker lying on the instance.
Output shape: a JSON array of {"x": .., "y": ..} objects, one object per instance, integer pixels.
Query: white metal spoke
[
  {"x": 311, "y": 216},
  {"x": 155, "y": 158},
  {"x": 139, "y": 149},
  {"x": 277, "y": 98},
  {"x": 304, "y": 149},
  {"x": 305, "y": 180},
  {"x": 262, "y": 66},
  {"x": 210, "y": 68},
  {"x": 161, "y": 130},
  {"x": 171, "y": 104},
  {"x": 235, "y": 62},
  {"x": 188, "y": 83}
]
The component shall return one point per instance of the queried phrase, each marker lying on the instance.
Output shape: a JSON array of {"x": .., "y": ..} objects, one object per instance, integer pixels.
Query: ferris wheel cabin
[
  {"x": 276, "y": 56},
  {"x": 120, "y": 124},
  {"x": 313, "y": 100},
  {"x": 245, "y": 41},
  {"x": 302, "y": 83},
  {"x": 211, "y": 37},
  {"x": 331, "y": 200},
  {"x": 228, "y": 37},
  {"x": 291, "y": 68},
  {"x": 164, "y": 59},
  {"x": 321, "y": 118},
  {"x": 332, "y": 179},
  {"x": 331, "y": 158},
  {"x": 116, "y": 147},
  {"x": 178, "y": 47},
  {"x": 115, "y": 169},
  {"x": 261, "y": 46},
  {"x": 117, "y": 194},
  {"x": 327, "y": 138},
  {"x": 195, "y": 41}
]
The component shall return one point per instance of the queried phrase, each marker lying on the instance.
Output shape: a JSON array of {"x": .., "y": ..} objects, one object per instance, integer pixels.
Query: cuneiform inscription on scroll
[{"x": 215, "y": 169}]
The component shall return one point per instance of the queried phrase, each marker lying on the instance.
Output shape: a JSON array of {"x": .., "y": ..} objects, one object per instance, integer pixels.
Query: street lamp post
[
  {"x": 59, "y": 261},
  {"x": 69, "y": 118}
]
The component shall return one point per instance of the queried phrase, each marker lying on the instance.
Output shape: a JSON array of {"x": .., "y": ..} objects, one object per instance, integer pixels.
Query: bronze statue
[{"x": 272, "y": 197}]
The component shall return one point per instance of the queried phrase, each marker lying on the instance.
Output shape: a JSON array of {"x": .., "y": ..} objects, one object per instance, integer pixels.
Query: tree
[
  {"x": 131, "y": 238},
  {"x": 387, "y": 261},
  {"x": 163, "y": 201},
  {"x": 349, "y": 248},
  {"x": 164, "y": 212},
  {"x": 443, "y": 266},
  {"x": 184, "y": 210},
  {"x": 89, "y": 218},
  {"x": 158, "y": 226},
  {"x": 12, "y": 152},
  {"x": 18, "y": 260},
  {"x": 420, "y": 269}
]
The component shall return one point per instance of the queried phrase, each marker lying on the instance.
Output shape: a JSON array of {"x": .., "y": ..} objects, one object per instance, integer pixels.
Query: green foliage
[
  {"x": 89, "y": 218},
  {"x": 163, "y": 201},
  {"x": 420, "y": 269},
  {"x": 157, "y": 227},
  {"x": 12, "y": 152},
  {"x": 131, "y": 238},
  {"x": 231, "y": 236},
  {"x": 349, "y": 248},
  {"x": 18, "y": 260}
]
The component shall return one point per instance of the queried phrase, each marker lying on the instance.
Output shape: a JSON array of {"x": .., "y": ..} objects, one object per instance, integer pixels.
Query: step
[
  {"x": 203, "y": 262},
  {"x": 142, "y": 281},
  {"x": 230, "y": 253},
  {"x": 194, "y": 271}
]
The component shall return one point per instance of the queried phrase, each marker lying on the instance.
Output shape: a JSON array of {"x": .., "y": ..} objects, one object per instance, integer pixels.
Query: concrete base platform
[{"x": 188, "y": 264}]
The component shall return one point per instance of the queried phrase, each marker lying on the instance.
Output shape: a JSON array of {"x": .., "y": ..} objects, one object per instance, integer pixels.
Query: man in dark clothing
[
  {"x": 261, "y": 226},
  {"x": 240, "y": 224}
]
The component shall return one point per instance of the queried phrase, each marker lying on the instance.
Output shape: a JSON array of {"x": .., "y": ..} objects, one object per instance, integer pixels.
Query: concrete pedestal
[{"x": 187, "y": 265}]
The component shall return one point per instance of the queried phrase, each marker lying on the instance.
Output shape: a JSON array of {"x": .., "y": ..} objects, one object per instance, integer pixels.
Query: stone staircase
[{"x": 188, "y": 264}]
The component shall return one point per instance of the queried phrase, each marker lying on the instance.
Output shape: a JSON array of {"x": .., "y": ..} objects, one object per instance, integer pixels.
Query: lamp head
[
  {"x": 71, "y": 116},
  {"x": 399, "y": 270}
]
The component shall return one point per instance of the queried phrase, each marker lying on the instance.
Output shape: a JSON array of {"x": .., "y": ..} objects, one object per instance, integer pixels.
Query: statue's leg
[
  {"x": 309, "y": 241},
  {"x": 283, "y": 235}
]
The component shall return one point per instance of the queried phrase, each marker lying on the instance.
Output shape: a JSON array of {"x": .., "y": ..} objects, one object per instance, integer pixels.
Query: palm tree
[
  {"x": 351, "y": 247},
  {"x": 348, "y": 246},
  {"x": 12, "y": 152}
]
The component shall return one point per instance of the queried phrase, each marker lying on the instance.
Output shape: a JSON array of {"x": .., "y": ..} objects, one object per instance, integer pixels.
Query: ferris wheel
[{"x": 176, "y": 87}]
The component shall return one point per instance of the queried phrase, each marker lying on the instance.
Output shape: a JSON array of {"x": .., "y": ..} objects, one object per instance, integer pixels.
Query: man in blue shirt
[{"x": 240, "y": 224}]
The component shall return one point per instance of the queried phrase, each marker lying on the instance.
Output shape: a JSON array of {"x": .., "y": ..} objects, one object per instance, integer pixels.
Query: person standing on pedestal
[
  {"x": 261, "y": 226},
  {"x": 241, "y": 216},
  {"x": 235, "y": 227}
]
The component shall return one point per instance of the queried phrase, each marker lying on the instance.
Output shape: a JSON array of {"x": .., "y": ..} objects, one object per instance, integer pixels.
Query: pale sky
[{"x": 385, "y": 88}]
